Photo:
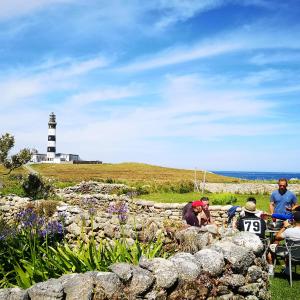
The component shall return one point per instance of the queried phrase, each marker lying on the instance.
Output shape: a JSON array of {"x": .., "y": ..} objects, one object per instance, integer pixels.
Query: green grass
[
  {"x": 281, "y": 289},
  {"x": 262, "y": 200}
]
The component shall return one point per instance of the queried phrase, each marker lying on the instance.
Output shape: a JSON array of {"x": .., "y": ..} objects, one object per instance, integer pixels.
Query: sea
[{"x": 259, "y": 175}]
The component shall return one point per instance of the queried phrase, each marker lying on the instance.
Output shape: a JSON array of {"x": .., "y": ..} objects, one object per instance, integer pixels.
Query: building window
[
  {"x": 50, "y": 149},
  {"x": 52, "y": 126}
]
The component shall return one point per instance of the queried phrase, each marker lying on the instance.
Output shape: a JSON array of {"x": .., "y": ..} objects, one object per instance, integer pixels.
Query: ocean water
[{"x": 259, "y": 175}]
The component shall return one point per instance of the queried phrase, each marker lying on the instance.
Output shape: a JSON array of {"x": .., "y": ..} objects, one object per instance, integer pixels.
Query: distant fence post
[
  {"x": 203, "y": 182},
  {"x": 196, "y": 188}
]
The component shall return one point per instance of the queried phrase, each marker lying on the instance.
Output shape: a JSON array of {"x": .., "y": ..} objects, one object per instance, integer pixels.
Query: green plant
[
  {"x": 15, "y": 161},
  {"x": 36, "y": 188},
  {"x": 223, "y": 199}
]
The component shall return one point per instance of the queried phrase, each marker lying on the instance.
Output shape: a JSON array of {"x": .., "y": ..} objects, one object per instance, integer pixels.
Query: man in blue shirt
[{"x": 282, "y": 201}]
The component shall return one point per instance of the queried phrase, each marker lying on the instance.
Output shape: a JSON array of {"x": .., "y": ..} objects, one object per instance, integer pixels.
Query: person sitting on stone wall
[
  {"x": 251, "y": 222},
  {"x": 191, "y": 213},
  {"x": 205, "y": 215}
]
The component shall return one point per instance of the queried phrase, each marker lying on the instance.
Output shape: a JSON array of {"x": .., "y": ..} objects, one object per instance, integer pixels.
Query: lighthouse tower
[{"x": 51, "y": 146}]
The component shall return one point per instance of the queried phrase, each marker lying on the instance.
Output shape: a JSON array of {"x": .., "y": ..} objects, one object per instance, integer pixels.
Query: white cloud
[
  {"x": 178, "y": 55},
  {"x": 274, "y": 58},
  {"x": 248, "y": 38},
  {"x": 23, "y": 85},
  {"x": 176, "y": 10},
  {"x": 16, "y": 8},
  {"x": 103, "y": 94}
]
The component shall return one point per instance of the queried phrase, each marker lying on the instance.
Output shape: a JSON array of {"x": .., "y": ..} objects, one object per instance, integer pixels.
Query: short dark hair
[
  {"x": 204, "y": 199},
  {"x": 283, "y": 179},
  {"x": 296, "y": 216},
  {"x": 251, "y": 199}
]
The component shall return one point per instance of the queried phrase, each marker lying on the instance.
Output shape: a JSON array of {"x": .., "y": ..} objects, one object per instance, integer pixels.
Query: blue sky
[{"x": 211, "y": 84}]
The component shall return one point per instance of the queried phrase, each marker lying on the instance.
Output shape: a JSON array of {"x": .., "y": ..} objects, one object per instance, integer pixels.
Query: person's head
[
  {"x": 250, "y": 207},
  {"x": 296, "y": 217},
  {"x": 197, "y": 206},
  {"x": 251, "y": 199},
  {"x": 205, "y": 202},
  {"x": 282, "y": 184}
]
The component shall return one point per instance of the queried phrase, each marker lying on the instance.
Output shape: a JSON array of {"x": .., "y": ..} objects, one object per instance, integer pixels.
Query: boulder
[
  {"x": 51, "y": 289},
  {"x": 141, "y": 281},
  {"x": 106, "y": 284},
  {"x": 123, "y": 270},
  {"x": 254, "y": 273},
  {"x": 239, "y": 257},
  {"x": 186, "y": 265},
  {"x": 233, "y": 280},
  {"x": 13, "y": 294},
  {"x": 210, "y": 261},
  {"x": 164, "y": 271},
  {"x": 248, "y": 240},
  {"x": 77, "y": 286}
]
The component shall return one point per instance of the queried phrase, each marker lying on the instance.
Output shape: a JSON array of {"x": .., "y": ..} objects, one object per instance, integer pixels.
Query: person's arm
[
  {"x": 272, "y": 207},
  {"x": 294, "y": 201},
  {"x": 280, "y": 234}
]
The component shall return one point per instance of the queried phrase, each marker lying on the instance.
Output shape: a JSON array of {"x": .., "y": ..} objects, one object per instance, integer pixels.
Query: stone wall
[
  {"x": 246, "y": 188},
  {"x": 141, "y": 216},
  {"x": 214, "y": 265},
  {"x": 231, "y": 268}
]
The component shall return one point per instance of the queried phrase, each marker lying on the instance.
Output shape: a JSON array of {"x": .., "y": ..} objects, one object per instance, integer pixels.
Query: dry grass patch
[{"x": 130, "y": 172}]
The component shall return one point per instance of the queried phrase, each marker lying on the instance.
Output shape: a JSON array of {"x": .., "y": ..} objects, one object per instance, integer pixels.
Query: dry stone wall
[
  {"x": 246, "y": 188},
  {"x": 231, "y": 268},
  {"x": 213, "y": 265}
]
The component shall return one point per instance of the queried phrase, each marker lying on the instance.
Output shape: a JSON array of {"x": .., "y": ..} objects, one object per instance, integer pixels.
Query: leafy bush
[
  {"x": 223, "y": 199},
  {"x": 36, "y": 188}
]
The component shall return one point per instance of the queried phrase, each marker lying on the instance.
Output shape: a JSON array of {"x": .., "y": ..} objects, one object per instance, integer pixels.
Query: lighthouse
[{"x": 51, "y": 146}]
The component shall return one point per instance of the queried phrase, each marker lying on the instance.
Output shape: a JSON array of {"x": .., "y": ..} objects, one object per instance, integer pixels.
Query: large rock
[
  {"x": 74, "y": 229},
  {"x": 239, "y": 257},
  {"x": 106, "y": 284},
  {"x": 164, "y": 271},
  {"x": 186, "y": 265},
  {"x": 78, "y": 286},
  {"x": 210, "y": 261},
  {"x": 13, "y": 294},
  {"x": 249, "y": 240},
  {"x": 254, "y": 273},
  {"x": 51, "y": 289},
  {"x": 233, "y": 280},
  {"x": 123, "y": 270},
  {"x": 141, "y": 281},
  {"x": 193, "y": 239}
]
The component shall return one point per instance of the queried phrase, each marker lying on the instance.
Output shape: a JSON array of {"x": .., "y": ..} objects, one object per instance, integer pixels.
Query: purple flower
[
  {"x": 90, "y": 203},
  {"x": 120, "y": 209},
  {"x": 28, "y": 219}
]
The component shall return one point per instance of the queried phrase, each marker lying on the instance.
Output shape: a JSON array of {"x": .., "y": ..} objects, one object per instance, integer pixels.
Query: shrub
[
  {"x": 36, "y": 188},
  {"x": 223, "y": 199}
]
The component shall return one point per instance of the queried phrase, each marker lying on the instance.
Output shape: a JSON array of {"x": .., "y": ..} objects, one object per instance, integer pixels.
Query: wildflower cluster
[
  {"x": 30, "y": 222},
  {"x": 120, "y": 209},
  {"x": 90, "y": 203}
]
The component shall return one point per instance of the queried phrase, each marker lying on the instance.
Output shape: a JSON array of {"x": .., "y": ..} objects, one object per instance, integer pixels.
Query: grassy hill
[{"x": 131, "y": 172}]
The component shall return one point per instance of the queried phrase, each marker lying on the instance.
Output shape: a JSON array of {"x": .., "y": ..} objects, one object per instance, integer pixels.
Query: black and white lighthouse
[{"x": 51, "y": 146}]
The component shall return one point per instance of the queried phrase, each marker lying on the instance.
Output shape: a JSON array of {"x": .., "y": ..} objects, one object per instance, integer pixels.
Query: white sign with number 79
[{"x": 253, "y": 226}]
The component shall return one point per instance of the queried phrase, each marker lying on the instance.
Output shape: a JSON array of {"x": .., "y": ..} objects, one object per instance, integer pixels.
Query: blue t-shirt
[{"x": 281, "y": 201}]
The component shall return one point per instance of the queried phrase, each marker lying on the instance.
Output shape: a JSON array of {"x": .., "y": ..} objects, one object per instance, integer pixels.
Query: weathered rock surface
[
  {"x": 186, "y": 265},
  {"x": 51, "y": 289},
  {"x": 210, "y": 261},
  {"x": 77, "y": 286}
]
